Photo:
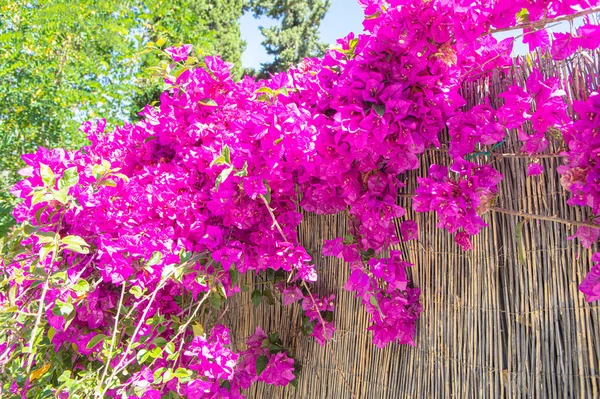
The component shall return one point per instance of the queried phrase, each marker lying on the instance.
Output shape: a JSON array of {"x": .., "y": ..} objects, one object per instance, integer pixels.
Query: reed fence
[{"x": 504, "y": 320}]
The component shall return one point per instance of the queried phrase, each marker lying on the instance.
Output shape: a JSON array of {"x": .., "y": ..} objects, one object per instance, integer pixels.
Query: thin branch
[
  {"x": 114, "y": 335},
  {"x": 524, "y": 155},
  {"x": 273, "y": 217},
  {"x": 545, "y": 21},
  {"x": 546, "y": 218},
  {"x": 183, "y": 328},
  {"x": 506, "y": 155},
  {"x": 120, "y": 366},
  {"x": 38, "y": 319}
]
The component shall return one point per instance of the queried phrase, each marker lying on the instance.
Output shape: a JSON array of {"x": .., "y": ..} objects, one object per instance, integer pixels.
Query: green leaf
[
  {"x": 273, "y": 338},
  {"x": 47, "y": 175},
  {"x": 36, "y": 196},
  {"x": 296, "y": 372},
  {"x": 95, "y": 340},
  {"x": 69, "y": 178},
  {"x": 60, "y": 195},
  {"x": 294, "y": 382},
  {"x": 159, "y": 341},
  {"x": 170, "y": 348},
  {"x": 224, "y": 157},
  {"x": 264, "y": 97},
  {"x": 373, "y": 301},
  {"x": 520, "y": 243},
  {"x": 168, "y": 376},
  {"x": 65, "y": 376},
  {"x": 183, "y": 375},
  {"x": 142, "y": 355},
  {"x": 269, "y": 295},
  {"x": 234, "y": 275},
  {"x": 161, "y": 41},
  {"x": 154, "y": 259},
  {"x": 40, "y": 196},
  {"x": 150, "y": 138},
  {"x": 256, "y": 297},
  {"x": 268, "y": 194},
  {"x": 379, "y": 108},
  {"x": 46, "y": 250},
  {"x": 46, "y": 236},
  {"x": 223, "y": 176},
  {"x": 38, "y": 214},
  {"x": 215, "y": 300},
  {"x": 221, "y": 290},
  {"x": 156, "y": 352},
  {"x": 275, "y": 348},
  {"x": 198, "y": 329},
  {"x": 307, "y": 326},
  {"x": 265, "y": 343},
  {"x": 372, "y": 16},
  {"x": 62, "y": 308},
  {"x": 242, "y": 172},
  {"x": 78, "y": 249},
  {"x": 209, "y": 102},
  {"x": 327, "y": 315},
  {"x": 109, "y": 183},
  {"x": 74, "y": 241},
  {"x": 522, "y": 16},
  {"x": 264, "y": 90},
  {"x": 261, "y": 364},
  {"x": 136, "y": 291},
  {"x": 81, "y": 287},
  {"x": 226, "y": 152},
  {"x": 218, "y": 161}
]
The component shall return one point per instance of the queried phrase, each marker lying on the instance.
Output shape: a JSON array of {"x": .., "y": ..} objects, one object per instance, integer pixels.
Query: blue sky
[{"x": 343, "y": 17}]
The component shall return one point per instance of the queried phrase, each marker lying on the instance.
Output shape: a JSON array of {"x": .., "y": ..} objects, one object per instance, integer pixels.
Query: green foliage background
[{"x": 65, "y": 61}]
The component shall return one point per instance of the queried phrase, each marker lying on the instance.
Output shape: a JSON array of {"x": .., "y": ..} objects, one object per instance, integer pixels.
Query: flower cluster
[
  {"x": 265, "y": 360},
  {"x": 459, "y": 203},
  {"x": 590, "y": 286},
  {"x": 318, "y": 317},
  {"x": 148, "y": 228},
  {"x": 383, "y": 287}
]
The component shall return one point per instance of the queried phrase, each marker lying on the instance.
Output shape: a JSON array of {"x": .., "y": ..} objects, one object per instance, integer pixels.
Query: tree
[
  {"x": 65, "y": 61},
  {"x": 297, "y": 36},
  {"x": 220, "y": 17}
]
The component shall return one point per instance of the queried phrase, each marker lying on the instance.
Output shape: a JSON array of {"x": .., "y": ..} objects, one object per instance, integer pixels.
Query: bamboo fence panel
[{"x": 504, "y": 320}]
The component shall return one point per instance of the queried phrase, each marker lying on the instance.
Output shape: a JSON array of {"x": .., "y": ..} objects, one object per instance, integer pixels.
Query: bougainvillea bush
[{"x": 117, "y": 277}]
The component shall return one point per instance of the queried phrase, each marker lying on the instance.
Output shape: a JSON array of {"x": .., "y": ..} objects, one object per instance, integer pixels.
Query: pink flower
[
  {"x": 291, "y": 295},
  {"x": 409, "y": 230},
  {"x": 279, "y": 370},
  {"x": 462, "y": 239},
  {"x": 590, "y": 285},
  {"x": 333, "y": 247},
  {"x": 534, "y": 169},
  {"x": 180, "y": 53},
  {"x": 587, "y": 235},
  {"x": 358, "y": 281},
  {"x": 535, "y": 39},
  {"x": 322, "y": 333}
]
